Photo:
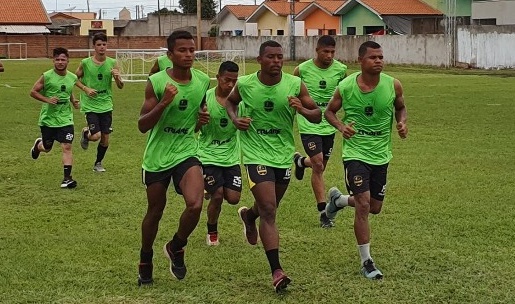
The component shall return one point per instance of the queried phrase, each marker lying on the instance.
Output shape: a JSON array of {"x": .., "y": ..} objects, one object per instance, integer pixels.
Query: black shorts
[
  {"x": 63, "y": 135},
  {"x": 227, "y": 177},
  {"x": 314, "y": 144},
  {"x": 260, "y": 173},
  {"x": 100, "y": 122},
  {"x": 361, "y": 177},
  {"x": 176, "y": 173}
]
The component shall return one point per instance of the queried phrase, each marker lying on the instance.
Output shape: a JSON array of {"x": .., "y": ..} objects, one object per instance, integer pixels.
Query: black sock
[
  {"x": 212, "y": 227},
  {"x": 251, "y": 216},
  {"x": 101, "y": 152},
  {"x": 321, "y": 206},
  {"x": 146, "y": 257},
  {"x": 177, "y": 243},
  {"x": 273, "y": 258},
  {"x": 67, "y": 171}
]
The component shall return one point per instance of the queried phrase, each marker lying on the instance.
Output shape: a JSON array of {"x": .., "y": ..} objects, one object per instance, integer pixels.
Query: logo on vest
[
  {"x": 183, "y": 104},
  {"x": 269, "y": 106},
  {"x": 224, "y": 122}
]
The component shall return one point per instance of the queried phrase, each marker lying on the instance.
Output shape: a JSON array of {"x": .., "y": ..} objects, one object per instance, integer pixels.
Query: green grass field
[{"x": 446, "y": 233}]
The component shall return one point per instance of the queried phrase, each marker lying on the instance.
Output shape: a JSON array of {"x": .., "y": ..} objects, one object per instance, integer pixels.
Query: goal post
[{"x": 13, "y": 51}]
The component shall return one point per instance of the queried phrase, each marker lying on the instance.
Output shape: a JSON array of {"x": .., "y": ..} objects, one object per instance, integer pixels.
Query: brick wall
[{"x": 42, "y": 45}]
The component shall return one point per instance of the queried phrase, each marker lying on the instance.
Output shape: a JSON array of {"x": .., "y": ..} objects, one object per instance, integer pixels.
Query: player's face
[
  {"x": 226, "y": 81},
  {"x": 100, "y": 47},
  {"x": 372, "y": 61},
  {"x": 60, "y": 62},
  {"x": 271, "y": 61},
  {"x": 183, "y": 53},
  {"x": 325, "y": 54}
]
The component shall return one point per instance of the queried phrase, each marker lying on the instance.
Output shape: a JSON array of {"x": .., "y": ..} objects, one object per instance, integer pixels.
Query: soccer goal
[
  {"x": 13, "y": 51},
  {"x": 136, "y": 64}
]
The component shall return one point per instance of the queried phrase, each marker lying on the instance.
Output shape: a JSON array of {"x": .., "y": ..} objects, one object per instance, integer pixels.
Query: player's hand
[
  {"x": 295, "y": 103},
  {"x": 169, "y": 94},
  {"x": 52, "y": 100},
  {"x": 348, "y": 130},
  {"x": 116, "y": 73},
  {"x": 203, "y": 116},
  {"x": 402, "y": 129},
  {"x": 90, "y": 92},
  {"x": 75, "y": 104},
  {"x": 242, "y": 123}
]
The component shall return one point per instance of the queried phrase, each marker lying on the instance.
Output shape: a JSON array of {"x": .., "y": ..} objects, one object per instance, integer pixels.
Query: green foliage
[
  {"x": 445, "y": 234},
  {"x": 166, "y": 11},
  {"x": 213, "y": 32},
  {"x": 208, "y": 7}
]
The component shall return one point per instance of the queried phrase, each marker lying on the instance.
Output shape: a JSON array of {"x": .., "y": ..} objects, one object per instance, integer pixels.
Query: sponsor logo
[
  {"x": 63, "y": 88},
  {"x": 358, "y": 180},
  {"x": 210, "y": 180},
  {"x": 287, "y": 174},
  {"x": 236, "y": 181},
  {"x": 69, "y": 136},
  {"x": 100, "y": 76},
  {"x": 101, "y": 91},
  {"x": 175, "y": 131},
  {"x": 368, "y": 110},
  {"x": 224, "y": 122},
  {"x": 370, "y": 133},
  {"x": 183, "y": 104},
  {"x": 218, "y": 142},
  {"x": 322, "y": 84},
  {"x": 261, "y": 170},
  {"x": 322, "y": 104},
  {"x": 268, "y": 131},
  {"x": 269, "y": 106},
  {"x": 312, "y": 146}
]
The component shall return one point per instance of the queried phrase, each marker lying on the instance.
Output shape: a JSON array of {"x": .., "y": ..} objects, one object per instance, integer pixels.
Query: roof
[
  {"x": 278, "y": 8},
  {"x": 241, "y": 11},
  {"x": 392, "y": 7},
  {"x": 23, "y": 29},
  {"x": 76, "y": 15},
  {"x": 330, "y": 7},
  {"x": 23, "y": 12}
]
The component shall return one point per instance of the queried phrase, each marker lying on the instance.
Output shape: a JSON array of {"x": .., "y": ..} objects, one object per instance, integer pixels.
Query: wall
[
  {"x": 359, "y": 16},
  {"x": 150, "y": 26},
  {"x": 321, "y": 20},
  {"x": 270, "y": 21},
  {"x": 463, "y": 7},
  {"x": 107, "y": 26},
  {"x": 503, "y": 11},
  {"x": 231, "y": 23},
  {"x": 398, "y": 49},
  {"x": 486, "y": 46}
]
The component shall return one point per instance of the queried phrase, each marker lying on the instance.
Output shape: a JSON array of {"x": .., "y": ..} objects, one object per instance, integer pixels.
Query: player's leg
[
  {"x": 213, "y": 185},
  {"x": 65, "y": 137},
  {"x": 255, "y": 174},
  {"x": 188, "y": 181},
  {"x": 105, "y": 120},
  {"x": 43, "y": 143},
  {"x": 156, "y": 186},
  {"x": 91, "y": 132}
]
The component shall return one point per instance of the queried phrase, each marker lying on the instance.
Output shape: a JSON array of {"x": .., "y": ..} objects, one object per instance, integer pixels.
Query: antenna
[{"x": 70, "y": 8}]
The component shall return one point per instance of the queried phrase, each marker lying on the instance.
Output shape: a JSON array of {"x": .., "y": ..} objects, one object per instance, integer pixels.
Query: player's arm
[
  {"x": 296, "y": 71},
  {"x": 233, "y": 100},
  {"x": 401, "y": 114},
  {"x": 80, "y": 71},
  {"x": 335, "y": 104},
  {"x": 154, "y": 69},
  {"x": 36, "y": 92},
  {"x": 305, "y": 105},
  {"x": 152, "y": 109},
  {"x": 117, "y": 77},
  {"x": 203, "y": 115},
  {"x": 89, "y": 91},
  {"x": 74, "y": 101}
]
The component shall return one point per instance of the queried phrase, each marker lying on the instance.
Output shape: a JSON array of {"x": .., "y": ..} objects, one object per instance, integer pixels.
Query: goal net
[
  {"x": 13, "y": 51},
  {"x": 136, "y": 64}
]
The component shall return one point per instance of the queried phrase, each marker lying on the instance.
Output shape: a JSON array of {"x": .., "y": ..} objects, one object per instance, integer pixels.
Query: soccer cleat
[
  {"x": 145, "y": 274},
  {"x": 212, "y": 239},
  {"x": 370, "y": 271},
  {"x": 177, "y": 266},
  {"x": 249, "y": 229},
  {"x": 69, "y": 183},
  {"x": 98, "y": 167},
  {"x": 280, "y": 280},
  {"x": 332, "y": 196},
  {"x": 325, "y": 222},
  {"x": 84, "y": 141},
  {"x": 299, "y": 171},
  {"x": 34, "y": 152}
]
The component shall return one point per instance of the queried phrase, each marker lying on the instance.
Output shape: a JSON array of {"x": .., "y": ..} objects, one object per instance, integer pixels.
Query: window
[
  {"x": 331, "y": 32},
  {"x": 280, "y": 32},
  {"x": 351, "y": 30},
  {"x": 489, "y": 21},
  {"x": 367, "y": 30}
]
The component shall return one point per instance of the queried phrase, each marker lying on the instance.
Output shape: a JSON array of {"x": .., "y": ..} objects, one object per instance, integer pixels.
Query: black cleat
[
  {"x": 69, "y": 183},
  {"x": 299, "y": 171},
  {"x": 145, "y": 274},
  {"x": 177, "y": 267},
  {"x": 34, "y": 152}
]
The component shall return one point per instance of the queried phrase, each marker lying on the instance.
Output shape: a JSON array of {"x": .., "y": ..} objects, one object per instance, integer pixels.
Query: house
[
  {"x": 364, "y": 17},
  {"x": 500, "y": 12},
  {"x": 68, "y": 23},
  {"x": 461, "y": 10},
  {"x": 320, "y": 18},
  {"x": 273, "y": 18},
  {"x": 231, "y": 19},
  {"x": 23, "y": 17}
]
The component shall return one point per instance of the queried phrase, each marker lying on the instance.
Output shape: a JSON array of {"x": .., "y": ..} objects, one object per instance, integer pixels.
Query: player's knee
[
  {"x": 233, "y": 199},
  {"x": 376, "y": 206},
  {"x": 194, "y": 206},
  {"x": 47, "y": 145},
  {"x": 267, "y": 211},
  {"x": 218, "y": 195},
  {"x": 94, "y": 136},
  {"x": 317, "y": 163}
]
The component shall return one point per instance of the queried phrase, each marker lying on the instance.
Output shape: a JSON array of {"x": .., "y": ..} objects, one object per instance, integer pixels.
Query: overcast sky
[{"x": 110, "y": 8}]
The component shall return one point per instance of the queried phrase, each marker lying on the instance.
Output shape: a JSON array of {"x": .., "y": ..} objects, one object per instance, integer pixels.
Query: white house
[{"x": 231, "y": 19}]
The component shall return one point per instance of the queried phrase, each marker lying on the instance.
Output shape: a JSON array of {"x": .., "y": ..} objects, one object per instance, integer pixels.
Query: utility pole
[
  {"x": 87, "y": 1},
  {"x": 159, "y": 17},
  {"x": 292, "y": 30},
  {"x": 199, "y": 23}
]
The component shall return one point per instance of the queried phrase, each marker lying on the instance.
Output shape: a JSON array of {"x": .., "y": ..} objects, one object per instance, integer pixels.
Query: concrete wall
[
  {"x": 486, "y": 46},
  {"x": 231, "y": 23},
  {"x": 502, "y": 11},
  {"x": 408, "y": 49},
  {"x": 150, "y": 25}
]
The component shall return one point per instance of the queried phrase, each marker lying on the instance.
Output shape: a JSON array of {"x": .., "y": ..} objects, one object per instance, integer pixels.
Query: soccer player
[
  {"x": 370, "y": 100},
  {"x": 269, "y": 99},
  {"x": 162, "y": 63},
  {"x": 219, "y": 150},
  {"x": 321, "y": 76},
  {"x": 170, "y": 112},
  {"x": 54, "y": 90},
  {"x": 95, "y": 74}
]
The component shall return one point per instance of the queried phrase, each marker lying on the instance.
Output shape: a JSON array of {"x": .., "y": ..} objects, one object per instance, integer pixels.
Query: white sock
[
  {"x": 364, "y": 252},
  {"x": 299, "y": 162},
  {"x": 342, "y": 201}
]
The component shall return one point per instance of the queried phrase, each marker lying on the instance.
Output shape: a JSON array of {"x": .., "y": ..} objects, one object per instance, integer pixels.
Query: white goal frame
[{"x": 10, "y": 50}]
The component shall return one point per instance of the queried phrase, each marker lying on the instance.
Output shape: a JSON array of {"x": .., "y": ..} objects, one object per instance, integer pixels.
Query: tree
[{"x": 208, "y": 8}]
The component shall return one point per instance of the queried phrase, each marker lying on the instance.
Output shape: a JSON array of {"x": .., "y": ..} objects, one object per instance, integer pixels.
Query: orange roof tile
[
  {"x": 23, "y": 12},
  {"x": 242, "y": 11},
  {"x": 330, "y": 5},
  {"x": 401, "y": 7},
  {"x": 282, "y": 8}
]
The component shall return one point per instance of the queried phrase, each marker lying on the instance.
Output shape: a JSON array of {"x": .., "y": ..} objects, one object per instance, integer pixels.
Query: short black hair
[
  {"x": 228, "y": 66},
  {"x": 179, "y": 34},
  {"x": 268, "y": 43},
  {"x": 365, "y": 45},
  {"x": 58, "y": 51},
  {"x": 99, "y": 36},
  {"x": 326, "y": 40}
]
